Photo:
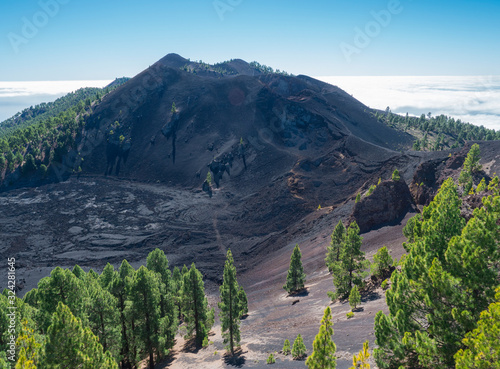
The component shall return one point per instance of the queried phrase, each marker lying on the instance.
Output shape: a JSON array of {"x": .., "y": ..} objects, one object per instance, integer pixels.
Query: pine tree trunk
[
  {"x": 151, "y": 360},
  {"x": 135, "y": 346},
  {"x": 231, "y": 322},
  {"x": 125, "y": 349},
  {"x": 104, "y": 345},
  {"x": 149, "y": 343},
  {"x": 196, "y": 322}
]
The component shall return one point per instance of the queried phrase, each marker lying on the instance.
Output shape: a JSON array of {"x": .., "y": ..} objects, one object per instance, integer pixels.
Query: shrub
[
  {"x": 370, "y": 190},
  {"x": 493, "y": 185},
  {"x": 332, "y": 295},
  {"x": 43, "y": 170},
  {"x": 360, "y": 361},
  {"x": 395, "y": 175},
  {"x": 286, "y": 348},
  {"x": 270, "y": 359},
  {"x": 29, "y": 166},
  {"x": 468, "y": 188},
  {"x": 354, "y": 297},
  {"x": 350, "y": 314},
  {"x": 3, "y": 162},
  {"x": 382, "y": 262},
  {"x": 205, "y": 342},
  {"x": 358, "y": 198},
  {"x": 481, "y": 186}
]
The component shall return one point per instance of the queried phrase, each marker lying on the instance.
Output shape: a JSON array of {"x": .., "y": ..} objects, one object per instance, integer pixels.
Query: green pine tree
[
  {"x": 296, "y": 277},
  {"x": 271, "y": 359},
  {"x": 230, "y": 305},
  {"x": 3, "y": 163},
  {"x": 197, "y": 316},
  {"x": 382, "y": 262},
  {"x": 286, "y": 347},
  {"x": 30, "y": 348},
  {"x": 437, "y": 296},
  {"x": 323, "y": 356},
  {"x": 91, "y": 276},
  {"x": 482, "y": 345},
  {"x": 71, "y": 345},
  {"x": 61, "y": 286},
  {"x": 103, "y": 317},
  {"x": 333, "y": 251},
  {"x": 106, "y": 276},
  {"x": 242, "y": 297},
  {"x": 79, "y": 272},
  {"x": 121, "y": 288},
  {"x": 298, "y": 348},
  {"x": 349, "y": 270},
  {"x": 411, "y": 229},
  {"x": 360, "y": 361},
  {"x": 151, "y": 328},
  {"x": 481, "y": 187},
  {"x": 23, "y": 362},
  {"x": 157, "y": 262},
  {"x": 177, "y": 284},
  {"x": 471, "y": 166},
  {"x": 354, "y": 298},
  {"x": 493, "y": 186}
]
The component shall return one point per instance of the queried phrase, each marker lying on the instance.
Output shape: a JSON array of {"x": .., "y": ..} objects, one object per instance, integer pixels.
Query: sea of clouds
[
  {"x": 16, "y": 96},
  {"x": 473, "y": 99}
]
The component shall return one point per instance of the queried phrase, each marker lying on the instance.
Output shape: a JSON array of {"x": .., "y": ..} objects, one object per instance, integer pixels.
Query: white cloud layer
[
  {"x": 27, "y": 88},
  {"x": 16, "y": 96},
  {"x": 473, "y": 99}
]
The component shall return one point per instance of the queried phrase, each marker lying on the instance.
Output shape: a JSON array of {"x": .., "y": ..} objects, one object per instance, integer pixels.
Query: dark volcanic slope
[
  {"x": 310, "y": 141},
  {"x": 278, "y": 146},
  {"x": 281, "y": 118}
]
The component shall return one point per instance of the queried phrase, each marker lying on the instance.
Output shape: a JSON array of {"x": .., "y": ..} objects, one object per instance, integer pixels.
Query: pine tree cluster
[{"x": 78, "y": 319}]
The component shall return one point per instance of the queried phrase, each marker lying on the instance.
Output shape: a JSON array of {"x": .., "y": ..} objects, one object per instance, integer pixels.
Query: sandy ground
[
  {"x": 95, "y": 221},
  {"x": 273, "y": 317}
]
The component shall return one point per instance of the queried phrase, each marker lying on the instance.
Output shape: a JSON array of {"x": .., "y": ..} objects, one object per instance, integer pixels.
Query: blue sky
[{"x": 90, "y": 40}]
